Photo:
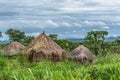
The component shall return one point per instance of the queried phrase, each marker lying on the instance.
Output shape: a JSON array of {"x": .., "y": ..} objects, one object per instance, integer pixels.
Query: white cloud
[
  {"x": 77, "y": 9},
  {"x": 94, "y": 23},
  {"x": 94, "y": 29},
  {"x": 68, "y": 17},
  {"x": 66, "y": 24},
  {"x": 21, "y": 24},
  {"x": 33, "y": 34},
  {"x": 105, "y": 27},
  {"x": 77, "y": 24},
  {"x": 52, "y": 14},
  {"x": 107, "y": 2},
  {"x": 51, "y": 23},
  {"x": 75, "y": 6}
]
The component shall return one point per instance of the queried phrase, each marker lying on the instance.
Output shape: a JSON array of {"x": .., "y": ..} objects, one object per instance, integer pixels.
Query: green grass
[{"x": 19, "y": 68}]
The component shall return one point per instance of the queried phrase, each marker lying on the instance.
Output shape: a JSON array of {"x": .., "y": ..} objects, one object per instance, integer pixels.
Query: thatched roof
[
  {"x": 81, "y": 54},
  {"x": 43, "y": 45},
  {"x": 13, "y": 49}
]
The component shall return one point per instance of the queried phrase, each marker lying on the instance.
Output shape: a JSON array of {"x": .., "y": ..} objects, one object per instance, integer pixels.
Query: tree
[
  {"x": 19, "y": 36},
  {"x": 64, "y": 44},
  {"x": 117, "y": 41},
  {"x": 67, "y": 45},
  {"x": 97, "y": 35},
  {"x": 118, "y": 38},
  {"x": 0, "y": 34},
  {"x": 53, "y": 36},
  {"x": 96, "y": 40},
  {"x": 27, "y": 40},
  {"x": 15, "y": 35}
]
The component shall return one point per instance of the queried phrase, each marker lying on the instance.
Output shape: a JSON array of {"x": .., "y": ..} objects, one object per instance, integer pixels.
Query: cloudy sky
[{"x": 67, "y": 18}]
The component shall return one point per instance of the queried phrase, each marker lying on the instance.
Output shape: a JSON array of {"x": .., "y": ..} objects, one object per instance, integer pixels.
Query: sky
[{"x": 67, "y": 18}]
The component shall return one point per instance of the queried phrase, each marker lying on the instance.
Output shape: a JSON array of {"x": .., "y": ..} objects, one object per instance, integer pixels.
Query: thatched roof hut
[
  {"x": 44, "y": 47},
  {"x": 13, "y": 49},
  {"x": 81, "y": 54}
]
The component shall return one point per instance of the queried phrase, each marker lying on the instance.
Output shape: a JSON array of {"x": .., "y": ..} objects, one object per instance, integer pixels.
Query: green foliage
[
  {"x": 95, "y": 41},
  {"x": 118, "y": 37},
  {"x": 108, "y": 59},
  {"x": 0, "y": 34},
  {"x": 18, "y": 68},
  {"x": 64, "y": 44},
  {"x": 118, "y": 41},
  {"x": 2, "y": 46},
  {"x": 67, "y": 45},
  {"x": 19, "y": 36},
  {"x": 15, "y": 35},
  {"x": 96, "y": 35},
  {"x": 27, "y": 40},
  {"x": 53, "y": 36}
]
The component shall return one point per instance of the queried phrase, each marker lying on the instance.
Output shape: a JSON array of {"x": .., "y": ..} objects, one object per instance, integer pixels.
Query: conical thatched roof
[
  {"x": 13, "y": 49},
  {"x": 42, "y": 47},
  {"x": 81, "y": 54}
]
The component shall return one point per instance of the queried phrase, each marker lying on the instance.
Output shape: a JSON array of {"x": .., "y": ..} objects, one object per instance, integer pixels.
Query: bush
[{"x": 18, "y": 68}]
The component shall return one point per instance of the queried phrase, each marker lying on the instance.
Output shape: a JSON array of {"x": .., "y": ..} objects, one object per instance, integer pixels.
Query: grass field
[{"x": 18, "y": 68}]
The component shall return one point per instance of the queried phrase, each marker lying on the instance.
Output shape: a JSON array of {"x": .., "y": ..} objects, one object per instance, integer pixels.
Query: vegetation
[
  {"x": 27, "y": 40},
  {"x": 95, "y": 39},
  {"x": 15, "y": 35},
  {"x": 105, "y": 67},
  {"x": 64, "y": 44},
  {"x": 53, "y": 36},
  {"x": 2, "y": 46},
  {"x": 19, "y": 36},
  {"x": 18, "y": 68},
  {"x": 0, "y": 34},
  {"x": 67, "y": 45}
]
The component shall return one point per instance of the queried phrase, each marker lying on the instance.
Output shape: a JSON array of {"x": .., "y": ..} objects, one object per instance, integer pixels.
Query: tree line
[{"x": 95, "y": 41}]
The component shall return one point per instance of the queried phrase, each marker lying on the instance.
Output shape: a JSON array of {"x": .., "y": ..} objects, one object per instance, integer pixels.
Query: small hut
[
  {"x": 44, "y": 47},
  {"x": 81, "y": 54},
  {"x": 13, "y": 49}
]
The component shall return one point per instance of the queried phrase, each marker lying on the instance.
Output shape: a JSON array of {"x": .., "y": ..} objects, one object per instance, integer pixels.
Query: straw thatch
[
  {"x": 81, "y": 54},
  {"x": 13, "y": 49},
  {"x": 44, "y": 47}
]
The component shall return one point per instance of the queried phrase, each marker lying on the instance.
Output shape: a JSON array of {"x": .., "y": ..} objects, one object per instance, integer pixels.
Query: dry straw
[
  {"x": 13, "y": 49},
  {"x": 81, "y": 54},
  {"x": 44, "y": 47}
]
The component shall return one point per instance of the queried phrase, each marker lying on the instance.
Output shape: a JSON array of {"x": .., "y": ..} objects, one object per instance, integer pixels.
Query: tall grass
[{"x": 18, "y": 68}]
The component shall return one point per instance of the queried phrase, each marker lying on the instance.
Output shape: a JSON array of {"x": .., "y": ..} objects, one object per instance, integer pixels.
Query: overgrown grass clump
[{"x": 19, "y": 68}]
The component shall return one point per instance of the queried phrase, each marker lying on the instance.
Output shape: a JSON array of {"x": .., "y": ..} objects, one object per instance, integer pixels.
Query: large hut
[
  {"x": 81, "y": 54},
  {"x": 44, "y": 47},
  {"x": 13, "y": 49}
]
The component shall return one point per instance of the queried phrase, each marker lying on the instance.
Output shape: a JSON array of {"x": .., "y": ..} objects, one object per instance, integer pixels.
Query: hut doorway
[{"x": 36, "y": 56}]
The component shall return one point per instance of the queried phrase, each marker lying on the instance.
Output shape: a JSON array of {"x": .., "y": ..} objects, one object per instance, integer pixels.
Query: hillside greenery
[
  {"x": 19, "y": 68},
  {"x": 105, "y": 67},
  {"x": 94, "y": 40}
]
